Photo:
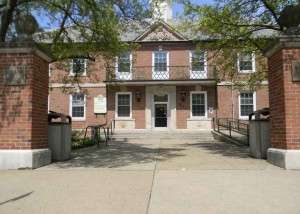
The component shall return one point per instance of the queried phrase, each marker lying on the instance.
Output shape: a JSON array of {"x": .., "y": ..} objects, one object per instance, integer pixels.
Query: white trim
[
  {"x": 205, "y": 100},
  {"x": 205, "y": 65},
  {"x": 121, "y": 76},
  {"x": 70, "y": 109},
  {"x": 239, "y": 103},
  {"x": 228, "y": 83},
  {"x": 153, "y": 64},
  {"x": 49, "y": 69},
  {"x": 71, "y": 68},
  {"x": 247, "y": 71},
  {"x": 116, "y": 105},
  {"x": 82, "y": 85}
]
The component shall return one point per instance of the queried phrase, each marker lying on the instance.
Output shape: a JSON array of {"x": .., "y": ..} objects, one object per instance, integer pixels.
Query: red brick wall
[
  {"x": 60, "y": 102},
  {"x": 138, "y": 107},
  {"x": 228, "y": 102},
  {"x": 23, "y": 113},
  {"x": 284, "y": 100}
]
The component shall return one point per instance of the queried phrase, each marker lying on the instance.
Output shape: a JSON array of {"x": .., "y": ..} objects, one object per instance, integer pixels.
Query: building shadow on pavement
[
  {"x": 119, "y": 153},
  {"x": 222, "y": 148}
]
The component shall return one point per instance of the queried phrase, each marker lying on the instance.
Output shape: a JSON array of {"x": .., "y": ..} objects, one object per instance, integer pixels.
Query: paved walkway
[{"x": 154, "y": 173}]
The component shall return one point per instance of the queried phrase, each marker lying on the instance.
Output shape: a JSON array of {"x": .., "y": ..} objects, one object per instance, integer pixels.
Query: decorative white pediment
[{"x": 160, "y": 32}]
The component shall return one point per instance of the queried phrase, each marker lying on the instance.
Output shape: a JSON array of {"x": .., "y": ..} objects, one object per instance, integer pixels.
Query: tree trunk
[{"x": 6, "y": 18}]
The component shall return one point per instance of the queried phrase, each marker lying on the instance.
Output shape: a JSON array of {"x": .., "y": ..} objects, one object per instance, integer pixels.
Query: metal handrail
[{"x": 232, "y": 125}]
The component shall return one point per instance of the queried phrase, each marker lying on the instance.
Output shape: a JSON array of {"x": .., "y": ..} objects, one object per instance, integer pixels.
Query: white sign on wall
[{"x": 100, "y": 105}]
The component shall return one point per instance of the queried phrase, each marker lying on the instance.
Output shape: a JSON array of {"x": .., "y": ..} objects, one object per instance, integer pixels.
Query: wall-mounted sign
[
  {"x": 100, "y": 105},
  {"x": 296, "y": 71},
  {"x": 15, "y": 75}
]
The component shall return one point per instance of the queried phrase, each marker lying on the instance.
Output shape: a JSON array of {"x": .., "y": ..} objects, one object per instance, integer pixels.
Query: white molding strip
[
  {"x": 83, "y": 85},
  {"x": 228, "y": 83}
]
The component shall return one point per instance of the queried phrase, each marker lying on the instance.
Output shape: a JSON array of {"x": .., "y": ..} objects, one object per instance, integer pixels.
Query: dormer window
[
  {"x": 78, "y": 67},
  {"x": 246, "y": 62}
]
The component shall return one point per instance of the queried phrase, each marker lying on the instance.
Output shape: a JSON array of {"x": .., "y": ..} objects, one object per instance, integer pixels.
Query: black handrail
[{"x": 232, "y": 125}]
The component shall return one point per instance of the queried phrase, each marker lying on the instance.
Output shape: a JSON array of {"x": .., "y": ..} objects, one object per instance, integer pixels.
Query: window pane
[
  {"x": 123, "y": 108},
  {"x": 198, "y": 99},
  {"x": 123, "y": 99},
  {"x": 77, "y": 111},
  {"x": 78, "y": 105},
  {"x": 124, "y": 62},
  {"x": 123, "y": 111},
  {"x": 160, "y": 61},
  {"x": 198, "y": 110},
  {"x": 78, "y": 65},
  {"x": 245, "y": 61},
  {"x": 163, "y": 98},
  {"x": 198, "y": 61},
  {"x": 246, "y": 103}
]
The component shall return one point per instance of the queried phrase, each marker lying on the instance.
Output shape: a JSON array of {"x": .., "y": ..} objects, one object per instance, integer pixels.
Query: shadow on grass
[{"x": 119, "y": 153}]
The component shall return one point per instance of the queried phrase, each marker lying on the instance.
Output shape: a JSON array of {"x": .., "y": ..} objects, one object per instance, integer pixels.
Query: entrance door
[{"x": 161, "y": 115}]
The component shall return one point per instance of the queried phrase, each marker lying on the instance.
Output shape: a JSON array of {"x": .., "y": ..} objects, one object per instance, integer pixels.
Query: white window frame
[
  {"x": 116, "y": 104},
  {"x": 48, "y": 102},
  {"x": 239, "y": 102},
  {"x": 120, "y": 75},
  {"x": 71, "y": 68},
  {"x": 247, "y": 71},
  {"x": 84, "y": 111},
  {"x": 191, "y": 104},
  {"x": 205, "y": 64},
  {"x": 153, "y": 62},
  {"x": 49, "y": 69}
]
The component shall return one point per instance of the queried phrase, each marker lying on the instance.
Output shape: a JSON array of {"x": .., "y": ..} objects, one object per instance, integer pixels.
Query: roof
[{"x": 151, "y": 32}]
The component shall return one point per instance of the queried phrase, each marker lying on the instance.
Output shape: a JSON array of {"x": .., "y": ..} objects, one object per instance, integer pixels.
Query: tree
[
  {"x": 83, "y": 27},
  {"x": 236, "y": 26}
]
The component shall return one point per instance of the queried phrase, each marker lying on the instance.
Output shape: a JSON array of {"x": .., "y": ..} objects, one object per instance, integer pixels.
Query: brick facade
[
  {"x": 284, "y": 100},
  {"x": 23, "y": 108},
  {"x": 228, "y": 101}
]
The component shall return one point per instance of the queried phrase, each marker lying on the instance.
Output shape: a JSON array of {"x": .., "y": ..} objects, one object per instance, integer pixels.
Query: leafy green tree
[{"x": 83, "y": 27}]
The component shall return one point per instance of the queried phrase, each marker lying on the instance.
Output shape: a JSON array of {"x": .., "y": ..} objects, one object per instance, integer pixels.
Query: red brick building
[{"x": 163, "y": 84}]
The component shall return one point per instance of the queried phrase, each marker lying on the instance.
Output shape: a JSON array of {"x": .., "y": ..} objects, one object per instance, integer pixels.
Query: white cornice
[{"x": 83, "y": 85}]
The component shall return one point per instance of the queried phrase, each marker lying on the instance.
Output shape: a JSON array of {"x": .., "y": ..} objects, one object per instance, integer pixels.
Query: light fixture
[
  {"x": 138, "y": 96},
  {"x": 183, "y": 95}
]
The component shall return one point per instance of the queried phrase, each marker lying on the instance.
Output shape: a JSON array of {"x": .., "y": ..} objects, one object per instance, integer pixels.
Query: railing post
[{"x": 218, "y": 125}]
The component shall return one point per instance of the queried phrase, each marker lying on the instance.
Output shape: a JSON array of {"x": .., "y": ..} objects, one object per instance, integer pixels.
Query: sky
[{"x": 177, "y": 9}]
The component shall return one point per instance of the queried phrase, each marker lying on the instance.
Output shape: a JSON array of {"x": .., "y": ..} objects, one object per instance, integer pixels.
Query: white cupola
[{"x": 162, "y": 9}]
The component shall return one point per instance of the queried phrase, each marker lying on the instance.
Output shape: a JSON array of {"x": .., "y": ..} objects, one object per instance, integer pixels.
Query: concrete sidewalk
[{"x": 158, "y": 174}]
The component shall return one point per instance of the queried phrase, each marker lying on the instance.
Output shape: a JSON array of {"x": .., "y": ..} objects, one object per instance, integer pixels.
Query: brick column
[
  {"x": 284, "y": 95},
  {"x": 24, "y": 82}
]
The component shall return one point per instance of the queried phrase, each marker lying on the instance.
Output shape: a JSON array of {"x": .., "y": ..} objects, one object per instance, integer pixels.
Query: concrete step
[{"x": 200, "y": 135}]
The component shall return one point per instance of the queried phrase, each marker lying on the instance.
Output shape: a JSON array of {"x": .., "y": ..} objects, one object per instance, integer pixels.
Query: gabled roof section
[{"x": 160, "y": 31}]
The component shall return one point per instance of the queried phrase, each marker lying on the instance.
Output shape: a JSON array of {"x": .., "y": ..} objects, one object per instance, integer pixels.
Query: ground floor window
[
  {"x": 77, "y": 107},
  {"x": 123, "y": 105},
  {"x": 247, "y": 104},
  {"x": 198, "y": 104}
]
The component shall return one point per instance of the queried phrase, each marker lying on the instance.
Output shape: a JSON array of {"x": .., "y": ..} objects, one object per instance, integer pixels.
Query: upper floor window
[
  {"x": 124, "y": 63},
  {"x": 160, "y": 61},
  {"x": 78, "y": 67},
  {"x": 198, "y": 60},
  {"x": 77, "y": 106},
  {"x": 246, "y": 62},
  {"x": 198, "y": 104},
  {"x": 247, "y": 101}
]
